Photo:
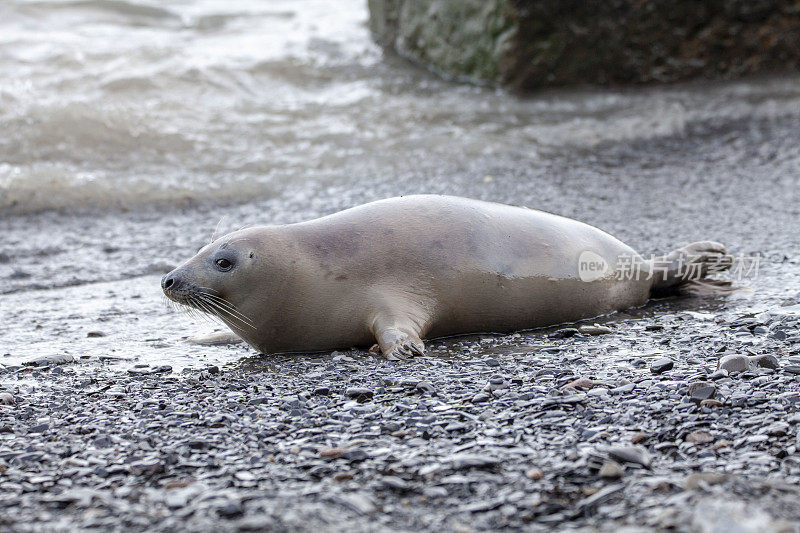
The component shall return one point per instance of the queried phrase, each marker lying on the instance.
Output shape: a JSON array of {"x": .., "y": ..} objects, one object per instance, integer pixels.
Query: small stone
[
  {"x": 718, "y": 374},
  {"x": 6, "y": 399},
  {"x": 176, "y": 499},
  {"x": 767, "y": 361},
  {"x": 595, "y": 330},
  {"x": 178, "y": 483},
  {"x": 661, "y": 365},
  {"x": 698, "y": 479},
  {"x": 360, "y": 503},
  {"x": 230, "y": 509},
  {"x": 435, "y": 492},
  {"x": 630, "y": 454},
  {"x": 702, "y": 390},
  {"x": 734, "y": 363},
  {"x": 468, "y": 460},
  {"x": 535, "y": 474},
  {"x": 623, "y": 389},
  {"x": 103, "y": 441},
  {"x": 95, "y": 334},
  {"x": 792, "y": 369},
  {"x": 496, "y": 383},
  {"x": 355, "y": 456},
  {"x": 395, "y": 483},
  {"x": 331, "y": 453},
  {"x": 426, "y": 386},
  {"x": 390, "y": 427},
  {"x": 777, "y": 429},
  {"x": 359, "y": 393},
  {"x": 47, "y": 360},
  {"x": 564, "y": 333},
  {"x": 321, "y": 391},
  {"x": 580, "y": 383},
  {"x": 699, "y": 437},
  {"x": 636, "y": 438},
  {"x": 711, "y": 403},
  {"x": 147, "y": 467},
  {"x": 244, "y": 475},
  {"x": 480, "y": 397},
  {"x": 611, "y": 470}
]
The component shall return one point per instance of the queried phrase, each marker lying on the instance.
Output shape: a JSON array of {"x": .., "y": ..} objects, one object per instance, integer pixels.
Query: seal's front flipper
[
  {"x": 215, "y": 339},
  {"x": 398, "y": 339},
  {"x": 686, "y": 269}
]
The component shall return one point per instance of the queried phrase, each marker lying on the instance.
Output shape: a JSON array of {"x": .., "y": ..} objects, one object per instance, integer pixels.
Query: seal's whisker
[
  {"x": 193, "y": 309},
  {"x": 207, "y": 306},
  {"x": 207, "y": 289},
  {"x": 237, "y": 316},
  {"x": 225, "y": 303},
  {"x": 237, "y": 240},
  {"x": 232, "y": 313},
  {"x": 216, "y": 229},
  {"x": 223, "y": 311},
  {"x": 202, "y": 306},
  {"x": 228, "y": 306},
  {"x": 223, "y": 314},
  {"x": 189, "y": 308}
]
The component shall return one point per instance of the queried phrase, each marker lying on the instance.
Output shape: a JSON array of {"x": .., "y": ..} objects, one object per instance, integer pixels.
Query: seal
[{"x": 403, "y": 269}]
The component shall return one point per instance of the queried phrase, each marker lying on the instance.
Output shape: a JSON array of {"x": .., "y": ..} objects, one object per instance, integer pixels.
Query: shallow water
[{"x": 133, "y": 130}]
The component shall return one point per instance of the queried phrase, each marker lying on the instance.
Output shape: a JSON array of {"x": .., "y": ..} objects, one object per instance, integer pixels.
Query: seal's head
[{"x": 211, "y": 281}]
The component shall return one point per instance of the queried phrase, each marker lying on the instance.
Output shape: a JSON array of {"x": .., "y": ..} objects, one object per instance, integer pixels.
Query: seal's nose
[{"x": 168, "y": 281}]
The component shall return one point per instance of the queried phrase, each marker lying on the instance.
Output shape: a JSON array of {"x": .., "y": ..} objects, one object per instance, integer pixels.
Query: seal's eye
[{"x": 223, "y": 264}]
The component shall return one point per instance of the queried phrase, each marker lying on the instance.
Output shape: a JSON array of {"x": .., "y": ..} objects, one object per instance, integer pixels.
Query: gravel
[{"x": 483, "y": 433}]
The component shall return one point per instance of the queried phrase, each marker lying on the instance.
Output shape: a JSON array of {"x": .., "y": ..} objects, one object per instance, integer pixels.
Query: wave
[
  {"x": 43, "y": 188},
  {"x": 80, "y": 156},
  {"x": 205, "y": 101},
  {"x": 116, "y": 7}
]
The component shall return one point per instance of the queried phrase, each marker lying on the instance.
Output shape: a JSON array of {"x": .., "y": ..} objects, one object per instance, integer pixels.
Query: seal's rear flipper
[
  {"x": 215, "y": 339},
  {"x": 707, "y": 287},
  {"x": 686, "y": 270}
]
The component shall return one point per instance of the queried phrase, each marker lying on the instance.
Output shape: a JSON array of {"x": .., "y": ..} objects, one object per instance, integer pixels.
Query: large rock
[{"x": 526, "y": 44}]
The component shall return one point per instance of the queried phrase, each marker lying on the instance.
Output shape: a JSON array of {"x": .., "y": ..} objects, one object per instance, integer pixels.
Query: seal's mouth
[
  {"x": 188, "y": 296},
  {"x": 205, "y": 300}
]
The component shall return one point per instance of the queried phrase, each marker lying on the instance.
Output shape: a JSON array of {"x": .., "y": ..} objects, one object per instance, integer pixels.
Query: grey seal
[{"x": 399, "y": 270}]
